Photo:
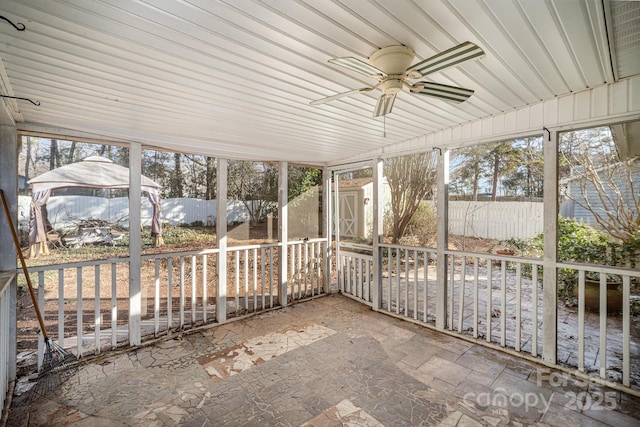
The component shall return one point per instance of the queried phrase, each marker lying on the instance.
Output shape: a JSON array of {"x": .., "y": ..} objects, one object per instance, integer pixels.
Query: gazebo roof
[{"x": 92, "y": 172}]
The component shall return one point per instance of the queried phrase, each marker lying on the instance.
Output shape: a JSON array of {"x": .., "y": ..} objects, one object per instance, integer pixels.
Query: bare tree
[
  {"x": 411, "y": 179},
  {"x": 602, "y": 184},
  {"x": 255, "y": 184}
]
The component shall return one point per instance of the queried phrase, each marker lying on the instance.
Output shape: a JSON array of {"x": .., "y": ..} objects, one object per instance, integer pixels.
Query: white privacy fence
[
  {"x": 63, "y": 211},
  {"x": 495, "y": 220},
  {"x": 489, "y": 220}
]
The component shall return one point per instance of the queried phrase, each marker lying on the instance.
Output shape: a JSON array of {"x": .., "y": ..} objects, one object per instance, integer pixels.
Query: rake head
[
  {"x": 58, "y": 365},
  {"x": 56, "y": 359}
]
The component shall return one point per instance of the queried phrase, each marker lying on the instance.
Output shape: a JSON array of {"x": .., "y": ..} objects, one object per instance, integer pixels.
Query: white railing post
[
  {"x": 378, "y": 214},
  {"x": 549, "y": 257},
  {"x": 135, "y": 243},
  {"x": 327, "y": 225},
  {"x": 283, "y": 235},
  {"x": 442, "y": 238},
  {"x": 9, "y": 180},
  {"x": 221, "y": 235}
]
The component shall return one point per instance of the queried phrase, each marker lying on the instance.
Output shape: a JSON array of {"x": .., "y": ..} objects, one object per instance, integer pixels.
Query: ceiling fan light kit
[{"x": 391, "y": 66}]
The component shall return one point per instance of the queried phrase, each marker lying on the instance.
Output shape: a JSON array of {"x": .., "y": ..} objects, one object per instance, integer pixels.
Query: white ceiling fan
[{"x": 391, "y": 67}]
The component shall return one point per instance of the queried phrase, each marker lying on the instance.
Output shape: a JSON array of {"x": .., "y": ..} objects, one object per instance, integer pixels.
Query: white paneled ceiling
[{"x": 234, "y": 78}]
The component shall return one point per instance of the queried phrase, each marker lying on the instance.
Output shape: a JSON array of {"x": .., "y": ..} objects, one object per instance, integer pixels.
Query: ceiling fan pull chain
[
  {"x": 18, "y": 26},
  {"x": 36, "y": 103}
]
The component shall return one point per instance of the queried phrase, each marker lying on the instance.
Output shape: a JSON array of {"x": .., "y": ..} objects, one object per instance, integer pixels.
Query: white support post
[
  {"x": 442, "y": 238},
  {"x": 327, "y": 226},
  {"x": 9, "y": 148},
  {"x": 135, "y": 243},
  {"x": 378, "y": 214},
  {"x": 221, "y": 233},
  {"x": 283, "y": 228},
  {"x": 549, "y": 257},
  {"x": 336, "y": 229}
]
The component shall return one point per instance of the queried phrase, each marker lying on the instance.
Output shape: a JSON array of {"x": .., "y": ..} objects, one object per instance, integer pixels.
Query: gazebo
[{"x": 92, "y": 172}]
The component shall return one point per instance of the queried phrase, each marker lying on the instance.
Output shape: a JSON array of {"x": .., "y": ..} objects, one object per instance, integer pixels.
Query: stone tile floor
[{"x": 326, "y": 362}]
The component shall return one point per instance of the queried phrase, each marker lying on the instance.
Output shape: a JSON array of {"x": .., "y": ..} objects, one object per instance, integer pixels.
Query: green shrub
[{"x": 421, "y": 230}]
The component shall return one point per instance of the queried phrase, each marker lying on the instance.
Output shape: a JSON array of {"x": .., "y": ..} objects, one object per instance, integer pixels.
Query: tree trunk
[
  {"x": 72, "y": 152},
  {"x": 176, "y": 187},
  {"x": 210, "y": 178},
  {"x": 494, "y": 183},
  {"x": 53, "y": 154}
]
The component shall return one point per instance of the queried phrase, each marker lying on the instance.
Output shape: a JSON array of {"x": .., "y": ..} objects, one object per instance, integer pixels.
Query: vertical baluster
[
  {"x": 398, "y": 255},
  {"x": 475, "y": 297},
  {"x": 347, "y": 277},
  {"x": 353, "y": 262},
  {"x": 314, "y": 278},
  {"x": 271, "y": 266},
  {"x": 534, "y": 313},
  {"x": 368, "y": 281},
  {"x": 194, "y": 293},
  {"x": 406, "y": 282},
  {"x": 581, "y": 320},
  {"x": 292, "y": 264},
  {"x": 254, "y": 252},
  {"x": 489, "y": 297},
  {"x": 246, "y": 279},
  {"x": 626, "y": 332},
  {"x": 181, "y": 293},
  {"x": 40, "y": 355},
  {"x": 461, "y": 301},
  {"x": 61, "y": 307},
  {"x": 237, "y": 281},
  {"x": 97, "y": 326},
  {"x": 347, "y": 271},
  {"x": 156, "y": 298},
  {"x": 387, "y": 284},
  {"x": 205, "y": 293},
  {"x": 426, "y": 285},
  {"x": 262, "y": 278},
  {"x": 452, "y": 289},
  {"x": 79, "y": 319},
  {"x": 503, "y": 303},
  {"x": 114, "y": 306},
  {"x": 518, "y": 305},
  {"x": 299, "y": 275},
  {"x": 169, "y": 294},
  {"x": 359, "y": 277},
  {"x": 306, "y": 269},
  {"x": 603, "y": 325},
  {"x": 415, "y": 284}
]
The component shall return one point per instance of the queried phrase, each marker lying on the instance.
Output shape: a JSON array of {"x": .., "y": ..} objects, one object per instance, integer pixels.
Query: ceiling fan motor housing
[{"x": 392, "y": 59}]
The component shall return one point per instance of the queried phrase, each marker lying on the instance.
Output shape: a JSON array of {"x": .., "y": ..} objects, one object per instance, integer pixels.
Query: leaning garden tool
[{"x": 57, "y": 363}]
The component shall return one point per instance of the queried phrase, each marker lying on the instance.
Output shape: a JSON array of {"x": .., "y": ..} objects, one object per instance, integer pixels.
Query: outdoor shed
[{"x": 92, "y": 172}]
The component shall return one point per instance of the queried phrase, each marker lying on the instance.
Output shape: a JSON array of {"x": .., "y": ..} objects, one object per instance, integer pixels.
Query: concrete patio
[{"x": 326, "y": 362}]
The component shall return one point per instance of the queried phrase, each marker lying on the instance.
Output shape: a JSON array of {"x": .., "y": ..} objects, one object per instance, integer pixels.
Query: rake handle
[{"x": 5, "y": 205}]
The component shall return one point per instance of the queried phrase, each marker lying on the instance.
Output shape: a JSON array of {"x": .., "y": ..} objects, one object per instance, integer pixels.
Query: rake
[{"x": 57, "y": 363}]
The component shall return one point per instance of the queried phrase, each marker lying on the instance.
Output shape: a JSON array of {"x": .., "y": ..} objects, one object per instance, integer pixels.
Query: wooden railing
[{"x": 86, "y": 305}]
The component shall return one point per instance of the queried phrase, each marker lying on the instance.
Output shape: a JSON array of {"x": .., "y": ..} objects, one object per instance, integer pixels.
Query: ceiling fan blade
[
  {"x": 449, "y": 58},
  {"x": 446, "y": 92},
  {"x": 384, "y": 105},
  {"x": 339, "y": 95},
  {"x": 358, "y": 66}
]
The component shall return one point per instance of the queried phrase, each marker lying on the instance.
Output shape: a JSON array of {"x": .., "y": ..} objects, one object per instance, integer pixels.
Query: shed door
[{"x": 348, "y": 214}]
